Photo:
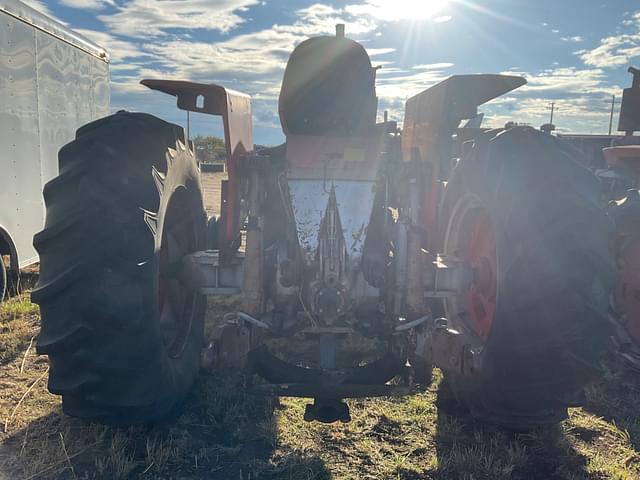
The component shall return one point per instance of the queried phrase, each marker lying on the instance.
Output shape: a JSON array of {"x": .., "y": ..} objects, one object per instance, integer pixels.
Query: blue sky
[{"x": 572, "y": 52}]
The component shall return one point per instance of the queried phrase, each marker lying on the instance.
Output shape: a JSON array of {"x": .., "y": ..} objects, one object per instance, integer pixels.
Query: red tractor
[
  {"x": 494, "y": 266},
  {"x": 620, "y": 177}
]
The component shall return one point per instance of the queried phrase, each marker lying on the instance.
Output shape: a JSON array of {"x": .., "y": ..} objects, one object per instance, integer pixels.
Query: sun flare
[{"x": 406, "y": 9}]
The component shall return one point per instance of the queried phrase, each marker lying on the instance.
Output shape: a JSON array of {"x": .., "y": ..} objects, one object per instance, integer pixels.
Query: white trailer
[{"x": 52, "y": 81}]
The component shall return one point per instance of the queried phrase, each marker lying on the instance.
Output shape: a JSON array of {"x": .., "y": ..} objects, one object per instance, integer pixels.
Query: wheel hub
[
  {"x": 471, "y": 238},
  {"x": 480, "y": 299}
]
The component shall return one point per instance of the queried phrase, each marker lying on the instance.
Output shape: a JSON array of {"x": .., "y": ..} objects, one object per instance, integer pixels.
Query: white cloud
[
  {"x": 87, "y": 4},
  {"x": 251, "y": 62},
  {"x": 580, "y": 95},
  {"x": 581, "y": 99},
  {"x": 119, "y": 50},
  {"x": 442, "y": 18},
  {"x": 612, "y": 51},
  {"x": 373, "y": 52},
  {"x": 567, "y": 80},
  {"x": 400, "y": 85},
  {"x": 144, "y": 18},
  {"x": 574, "y": 39},
  {"x": 38, "y": 5},
  {"x": 394, "y": 10},
  {"x": 433, "y": 66},
  {"x": 615, "y": 50}
]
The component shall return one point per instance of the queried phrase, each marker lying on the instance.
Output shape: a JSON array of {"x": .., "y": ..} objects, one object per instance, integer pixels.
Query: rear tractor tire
[
  {"x": 527, "y": 217},
  {"x": 123, "y": 335}
]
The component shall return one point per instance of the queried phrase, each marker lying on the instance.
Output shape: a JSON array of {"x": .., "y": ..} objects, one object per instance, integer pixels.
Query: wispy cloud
[
  {"x": 120, "y": 50},
  {"x": 616, "y": 50},
  {"x": 171, "y": 39},
  {"x": 397, "y": 10},
  {"x": 87, "y": 4},
  {"x": 40, "y": 6},
  {"x": 574, "y": 39},
  {"x": 250, "y": 62},
  {"x": 433, "y": 66},
  {"x": 580, "y": 97},
  {"x": 157, "y": 17}
]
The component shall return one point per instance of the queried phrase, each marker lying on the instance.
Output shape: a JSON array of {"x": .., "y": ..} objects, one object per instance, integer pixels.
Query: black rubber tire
[
  {"x": 3, "y": 279},
  {"x": 554, "y": 275},
  {"x": 98, "y": 289}
]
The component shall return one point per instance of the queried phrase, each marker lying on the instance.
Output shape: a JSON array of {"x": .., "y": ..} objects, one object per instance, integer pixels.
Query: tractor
[
  {"x": 482, "y": 252},
  {"x": 620, "y": 180}
]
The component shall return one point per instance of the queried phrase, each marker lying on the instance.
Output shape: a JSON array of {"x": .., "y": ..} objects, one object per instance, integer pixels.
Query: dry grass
[
  {"x": 226, "y": 432},
  {"x": 18, "y": 324}
]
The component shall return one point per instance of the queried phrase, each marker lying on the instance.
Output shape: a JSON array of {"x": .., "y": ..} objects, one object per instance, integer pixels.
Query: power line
[{"x": 613, "y": 106}]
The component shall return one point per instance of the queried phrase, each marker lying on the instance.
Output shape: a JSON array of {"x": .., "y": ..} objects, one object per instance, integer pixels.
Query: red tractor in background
[
  {"x": 620, "y": 179},
  {"x": 494, "y": 267}
]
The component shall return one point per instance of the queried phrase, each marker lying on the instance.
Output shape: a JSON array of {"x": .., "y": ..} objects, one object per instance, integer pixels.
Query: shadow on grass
[
  {"x": 615, "y": 397},
  {"x": 468, "y": 449},
  {"x": 225, "y": 432}
]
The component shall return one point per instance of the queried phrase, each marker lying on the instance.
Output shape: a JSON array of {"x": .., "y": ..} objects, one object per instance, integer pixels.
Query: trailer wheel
[
  {"x": 122, "y": 333},
  {"x": 3, "y": 279},
  {"x": 527, "y": 218}
]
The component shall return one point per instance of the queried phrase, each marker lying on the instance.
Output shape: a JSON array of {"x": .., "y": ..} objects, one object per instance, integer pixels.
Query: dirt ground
[{"x": 229, "y": 432}]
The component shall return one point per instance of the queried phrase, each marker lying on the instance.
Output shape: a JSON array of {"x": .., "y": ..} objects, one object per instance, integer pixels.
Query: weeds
[
  {"x": 18, "y": 324},
  {"x": 228, "y": 432}
]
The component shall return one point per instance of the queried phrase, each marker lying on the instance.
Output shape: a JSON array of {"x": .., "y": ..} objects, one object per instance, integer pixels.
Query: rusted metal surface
[
  {"x": 335, "y": 157},
  {"x": 228, "y": 347},
  {"x": 253, "y": 275},
  {"x": 235, "y": 109},
  {"x": 626, "y": 251},
  {"x": 624, "y": 156},
  {"x": 440, "y": 109},
  {"x": 431, "y": 117},
  {"x": 340, "y": 171},
  {"x": 309, "y": 200}
]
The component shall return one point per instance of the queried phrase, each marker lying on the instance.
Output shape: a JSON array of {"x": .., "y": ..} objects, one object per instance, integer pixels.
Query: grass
[
  {"x": 18, "y": 324},
  {"x": 227, "y": 432}
]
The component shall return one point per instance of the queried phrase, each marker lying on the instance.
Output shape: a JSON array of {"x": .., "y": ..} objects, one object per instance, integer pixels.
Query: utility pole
[
  {"x": 552, "y": 104},
  {"x": 613, "y": 104}
]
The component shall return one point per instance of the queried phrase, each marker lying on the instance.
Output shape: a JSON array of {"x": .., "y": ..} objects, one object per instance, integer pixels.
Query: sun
[{"x": 406, "y": 9}]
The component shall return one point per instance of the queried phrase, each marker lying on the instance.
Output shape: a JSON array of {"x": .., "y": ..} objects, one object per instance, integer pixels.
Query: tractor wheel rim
[
  {"x": 628, "y": 288},
  {"x": 176, "y": 302},
  {"x": 480, "y": 253},
  {"x": 471, "y": 238}
]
